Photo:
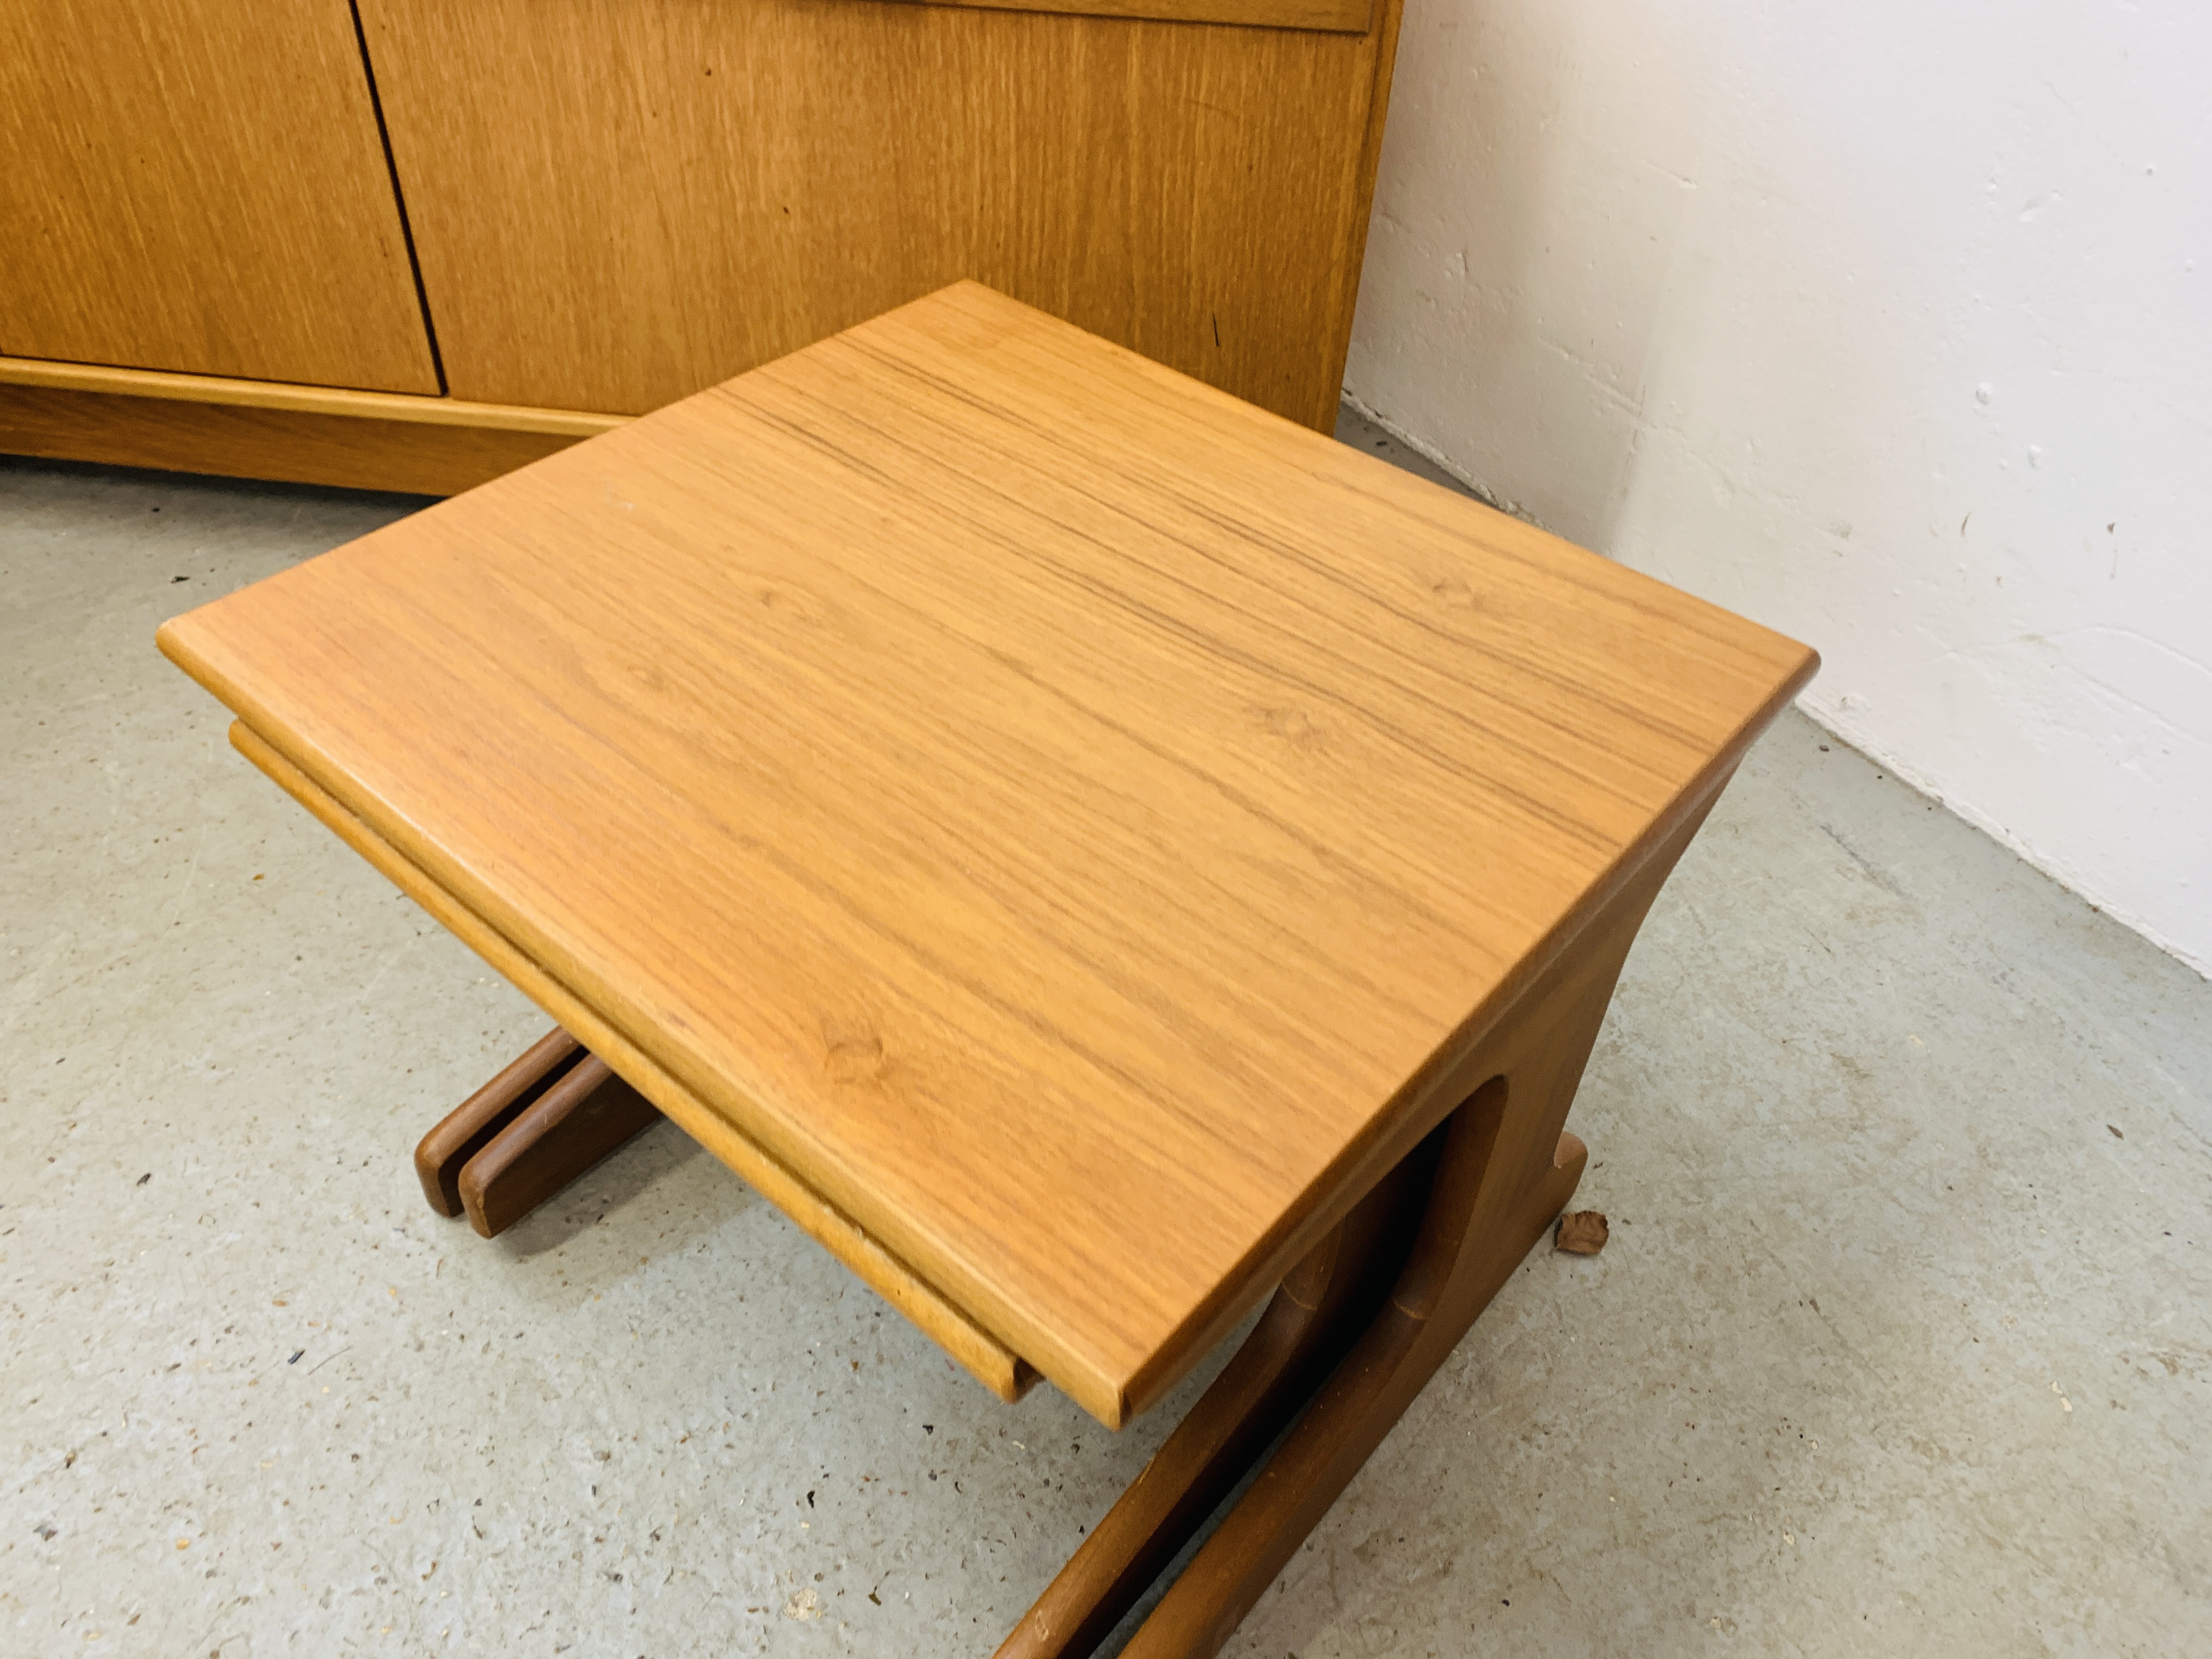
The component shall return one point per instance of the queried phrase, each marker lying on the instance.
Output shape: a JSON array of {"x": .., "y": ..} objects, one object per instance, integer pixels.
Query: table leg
[
  {"x": 1310, "y": 1324},
  {"x": 1351, "y": 1337},
  {"x": 544, "y": 1120},
  {"x": 469, "y": 1128}
]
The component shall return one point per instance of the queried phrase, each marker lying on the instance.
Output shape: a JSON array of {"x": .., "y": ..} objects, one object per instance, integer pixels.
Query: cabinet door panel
[
  {"x": 618, "y": 202},
  {"x": 199, "y": 185}
]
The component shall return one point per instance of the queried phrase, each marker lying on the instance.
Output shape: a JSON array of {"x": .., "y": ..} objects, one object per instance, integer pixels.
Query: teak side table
[{"x": 1095, "y": 855}]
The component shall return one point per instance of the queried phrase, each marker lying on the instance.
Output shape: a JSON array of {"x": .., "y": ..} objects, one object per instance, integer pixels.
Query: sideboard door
[
  {"x": 619, "y": 202},
  {"x": 201, "y": 186}
]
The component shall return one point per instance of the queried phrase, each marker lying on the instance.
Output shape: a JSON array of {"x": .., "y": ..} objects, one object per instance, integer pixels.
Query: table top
[{"x": 1058, "y": 810}]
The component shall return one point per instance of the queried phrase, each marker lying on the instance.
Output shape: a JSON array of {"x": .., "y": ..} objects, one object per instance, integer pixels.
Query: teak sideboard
[{"x": 412, "y": 244}]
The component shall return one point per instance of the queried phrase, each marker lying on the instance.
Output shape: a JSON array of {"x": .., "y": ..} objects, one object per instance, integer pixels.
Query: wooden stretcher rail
[{"x": 993, "y": 1363}]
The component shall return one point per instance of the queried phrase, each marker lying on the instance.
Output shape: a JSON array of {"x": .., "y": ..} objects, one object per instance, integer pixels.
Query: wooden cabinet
[
  {"x": 200, "y": 186},
  {"x": 616, "y": 203}
]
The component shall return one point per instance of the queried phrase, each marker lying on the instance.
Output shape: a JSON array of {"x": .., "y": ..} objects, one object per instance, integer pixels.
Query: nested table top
[{"x": 1055, "y": 809}]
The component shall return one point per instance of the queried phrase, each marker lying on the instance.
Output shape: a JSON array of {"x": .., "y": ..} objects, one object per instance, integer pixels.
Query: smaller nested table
[{"x": 1097, "y": 856}]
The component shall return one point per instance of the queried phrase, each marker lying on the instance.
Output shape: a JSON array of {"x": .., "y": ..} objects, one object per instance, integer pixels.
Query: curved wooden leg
[
  {"x": 1491, "y": 1197},
  {"x": 1314, "y": 1317},
  {"x": 1354, "y": 1334},
  {"x": 1434, "y": 1302}
]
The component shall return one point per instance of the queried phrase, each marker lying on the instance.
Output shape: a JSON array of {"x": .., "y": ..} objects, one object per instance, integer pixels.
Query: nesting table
[{"x": 1097, "y": 856}]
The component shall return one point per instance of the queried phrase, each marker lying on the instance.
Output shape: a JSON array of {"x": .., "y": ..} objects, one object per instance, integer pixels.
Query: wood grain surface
[
  {"x": 303, "y": 399},
  {"x": 616, "y": 204},
  {"x": 1500, "y": 1177},
  {"x": 199, "y": 184},
  {"x": 991, "y": 1362},
  {"x": 272, "y": 429},
  {"x": 1348, "y": 15},
  {"x": 1065, "y": 816},
  {"x": 255, "y": 442}
]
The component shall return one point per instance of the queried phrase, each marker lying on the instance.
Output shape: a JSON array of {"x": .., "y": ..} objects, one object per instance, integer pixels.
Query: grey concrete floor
[{"x": 1902, "y": 1343}]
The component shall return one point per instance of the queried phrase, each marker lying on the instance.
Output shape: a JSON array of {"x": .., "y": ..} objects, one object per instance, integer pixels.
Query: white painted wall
[{"x": 1887, "y": 325}]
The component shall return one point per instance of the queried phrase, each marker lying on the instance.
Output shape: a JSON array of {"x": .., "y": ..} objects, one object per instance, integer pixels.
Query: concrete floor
[{"x": 1903, "y": 1342}]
